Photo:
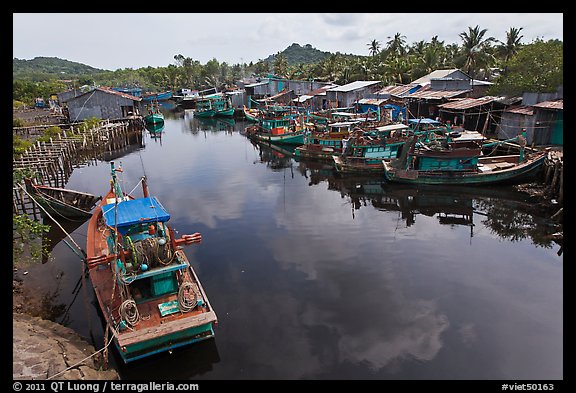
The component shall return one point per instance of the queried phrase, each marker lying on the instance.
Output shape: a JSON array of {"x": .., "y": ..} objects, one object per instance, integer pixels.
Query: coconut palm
[
  {"x": 510, "y": 47},
  {"x": 476, "y": 50},
  {"x": 397, "y": 44},
  {"x": 374, "y": 48}
]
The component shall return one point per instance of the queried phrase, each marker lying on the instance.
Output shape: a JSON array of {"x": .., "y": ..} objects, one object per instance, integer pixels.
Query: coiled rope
[
  {"x": 129, "y": 312},
  {"x": 187, "y": 297}
]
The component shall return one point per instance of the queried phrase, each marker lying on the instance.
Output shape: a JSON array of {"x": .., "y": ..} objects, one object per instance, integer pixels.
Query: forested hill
[
  {"x": 296, "y": 54},
  {"x": 50, "y": 65}
]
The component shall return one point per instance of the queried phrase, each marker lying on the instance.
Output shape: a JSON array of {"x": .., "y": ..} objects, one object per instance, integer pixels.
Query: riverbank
[{"x": 42, "y": 349}]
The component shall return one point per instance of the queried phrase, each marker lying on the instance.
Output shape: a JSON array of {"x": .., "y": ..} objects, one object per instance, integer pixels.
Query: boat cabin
[{"x": 153, "y": 266}]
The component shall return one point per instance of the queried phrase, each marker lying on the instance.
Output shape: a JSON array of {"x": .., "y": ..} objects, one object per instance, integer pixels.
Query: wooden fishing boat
[
  {"x": 461, "y": 163},
  {"x": 322, "y": 145},
  {"x": 364, "y": 153},
  {"x": 252, "y": 114},
  {"x": 162, "y": 96},
  {"x": 154, "y": 115},
  {"x": 150, "y": 297},
  {"x": 278, "y": 131},
  {"x": 63, "y": 202},
  {"x": 155, "y": 129},
  {"x": 214, "y": 105}
]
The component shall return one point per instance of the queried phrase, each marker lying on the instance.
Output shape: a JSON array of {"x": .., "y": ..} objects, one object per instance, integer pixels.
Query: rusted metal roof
[
  {"x": 321, "y": 91},
  {"x": 436, "y": 94},
  {"x": 119, "y": 93},
  {"x": 466, "y": 103},
  {"x": 556, "y": 104},
  {"x": 372, "y": 101},
  {"x": 520, "y": 110},
  {"x": 397, "y": 90}
]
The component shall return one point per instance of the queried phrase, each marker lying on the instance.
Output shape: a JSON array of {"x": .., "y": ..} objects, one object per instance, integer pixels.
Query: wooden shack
[
  {"x": 347, "y": 95},
  {"x": 103, "y": 103}
]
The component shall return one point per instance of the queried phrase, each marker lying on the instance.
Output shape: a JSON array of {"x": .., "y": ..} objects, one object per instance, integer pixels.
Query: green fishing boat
[
  {"x": 154, "y": 116},
  {"x": 461, "y": 163},
  {"x": 214, "y": 105}
]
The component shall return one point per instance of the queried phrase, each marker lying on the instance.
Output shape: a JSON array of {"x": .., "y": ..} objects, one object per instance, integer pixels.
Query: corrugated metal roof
[
  {"x": 354, "y": 86},
  {"x": 520, "y": 110},
  {"x": 119, "y": 93},
  {"x": 428, "y": 94},
  {"x": 372, "y": 101},
  {"x": 321, "y": 91},
  {"x": 434, "y": 75},
  {"x": 466, "y": 103},
  {"x": 397, "y": 90},
  {"x": 107, "y": 90},
  {"x": 257, "y": 84},
  {"x": 556, "y": 104}
]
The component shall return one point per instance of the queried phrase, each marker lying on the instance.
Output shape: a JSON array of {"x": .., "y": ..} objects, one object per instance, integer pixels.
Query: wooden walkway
[{"x": 53, "y": 162}]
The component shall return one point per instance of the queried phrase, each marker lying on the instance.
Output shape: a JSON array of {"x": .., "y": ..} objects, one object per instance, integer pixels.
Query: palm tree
[
  {"x": 374, "y": 47},
  {"x": 476, "y": 50},
  {"x": 397, "y": 44},
  {"x": 510, "y": 47}
]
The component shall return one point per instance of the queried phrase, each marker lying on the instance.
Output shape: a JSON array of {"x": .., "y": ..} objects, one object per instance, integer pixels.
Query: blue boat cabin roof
[{"x": 134, "y": 211}]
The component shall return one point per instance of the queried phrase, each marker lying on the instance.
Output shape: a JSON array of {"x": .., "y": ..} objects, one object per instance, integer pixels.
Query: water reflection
[{"x": 320, "y": 276}]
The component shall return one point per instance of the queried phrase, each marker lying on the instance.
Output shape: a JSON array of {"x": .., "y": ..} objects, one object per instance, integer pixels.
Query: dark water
[{"x": 315, "y": 276}]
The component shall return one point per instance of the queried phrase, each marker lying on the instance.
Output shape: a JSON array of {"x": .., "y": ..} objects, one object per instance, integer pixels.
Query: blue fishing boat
[
  {"x": 150, "y": 296},
  {"x": 162, "y": 96}
]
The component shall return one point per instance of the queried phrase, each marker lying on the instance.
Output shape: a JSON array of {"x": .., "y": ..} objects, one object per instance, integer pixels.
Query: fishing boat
[
  {"x": 324, "y": 143},
  {"x": 154, "y": 115},
  {"x": 162, "y": 96},
  {"x": 150, "y": 296},
  {"x": 363, "y": 153},
  {"x": 461, "y": 163},
  {"x": 277, "y": 130},
  {"x": 214, "y": 105},
  {"x": 155, "y": 129},
  {"x": 62, "y": 202},
  {"x": 252, "y": 114}
]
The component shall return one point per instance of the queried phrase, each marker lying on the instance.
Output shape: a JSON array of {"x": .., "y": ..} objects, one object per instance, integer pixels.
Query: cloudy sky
[{"x": 132, "y": 40}]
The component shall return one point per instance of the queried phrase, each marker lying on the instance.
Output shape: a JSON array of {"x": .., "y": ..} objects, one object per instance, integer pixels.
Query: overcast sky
[{"x": 132, "y": 40}]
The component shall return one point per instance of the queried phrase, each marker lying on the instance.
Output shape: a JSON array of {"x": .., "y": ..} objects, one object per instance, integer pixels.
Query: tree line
[{"x": 513, "y": 66}]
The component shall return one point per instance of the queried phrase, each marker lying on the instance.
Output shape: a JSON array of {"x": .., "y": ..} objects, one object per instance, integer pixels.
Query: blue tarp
[{"x": 134, "y": 211}]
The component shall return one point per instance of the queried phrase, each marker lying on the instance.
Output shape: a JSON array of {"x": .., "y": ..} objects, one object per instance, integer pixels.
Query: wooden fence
[{"x": 53, "y": 162}]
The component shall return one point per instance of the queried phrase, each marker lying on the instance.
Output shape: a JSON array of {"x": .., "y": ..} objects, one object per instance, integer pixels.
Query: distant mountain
[
  {"x": 52, "y": 66},
  {"x": 296, "y": 54}
]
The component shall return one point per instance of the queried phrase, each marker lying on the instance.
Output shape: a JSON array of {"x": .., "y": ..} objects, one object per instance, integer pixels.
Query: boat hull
[
  {"x": 514, "y": 174},
  {"x": 154, "y": 119},
  {"x": 358, "y": 165},
  {"x": 288, "y": 138},
  {"x": 164, "y": 343},
  {"x": 206, "y": 113},
  {"x": 225, "y": 112}
]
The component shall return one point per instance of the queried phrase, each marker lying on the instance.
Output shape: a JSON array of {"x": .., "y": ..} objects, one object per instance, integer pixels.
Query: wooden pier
[
  {"x": 53, "y": 162},
  {"x": 553, "y": 175}
]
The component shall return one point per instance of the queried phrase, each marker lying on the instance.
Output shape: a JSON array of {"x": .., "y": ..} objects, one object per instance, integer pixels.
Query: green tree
[{"x": 537, "y": 67}]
